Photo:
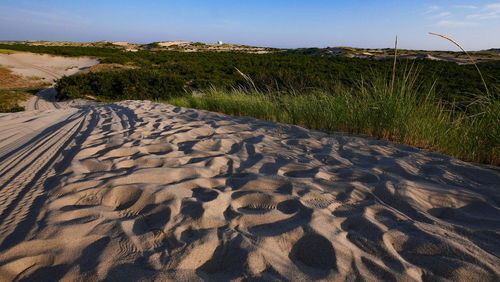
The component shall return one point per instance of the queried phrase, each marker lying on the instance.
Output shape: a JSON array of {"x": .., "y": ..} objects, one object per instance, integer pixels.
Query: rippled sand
[{"x": 138, "y": 190}]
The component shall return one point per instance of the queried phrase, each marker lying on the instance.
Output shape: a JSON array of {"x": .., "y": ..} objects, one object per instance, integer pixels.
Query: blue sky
[{"x": 274, "y": 23}]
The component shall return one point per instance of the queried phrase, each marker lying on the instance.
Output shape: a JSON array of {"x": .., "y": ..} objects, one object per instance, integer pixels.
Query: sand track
[
  {"x": 139, "y": 190},
  {"x": 45, "y": 68}
]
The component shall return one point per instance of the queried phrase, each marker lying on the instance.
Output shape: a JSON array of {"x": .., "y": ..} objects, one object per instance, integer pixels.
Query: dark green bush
[{"x": 121, "y": 85}]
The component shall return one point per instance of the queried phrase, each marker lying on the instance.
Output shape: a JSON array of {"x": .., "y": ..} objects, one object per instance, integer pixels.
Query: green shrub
[{"x": 121, "y": 85}]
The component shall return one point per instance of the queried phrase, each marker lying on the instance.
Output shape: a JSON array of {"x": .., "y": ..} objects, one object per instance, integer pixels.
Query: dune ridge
[{"x": 145, "y": 191}]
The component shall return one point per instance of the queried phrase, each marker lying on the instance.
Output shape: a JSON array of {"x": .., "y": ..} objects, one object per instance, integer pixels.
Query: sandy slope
[
  {"x": 46, "y": 67},
  {"x": 138, "y": 190},
  {"x": 46, "y": 100}
]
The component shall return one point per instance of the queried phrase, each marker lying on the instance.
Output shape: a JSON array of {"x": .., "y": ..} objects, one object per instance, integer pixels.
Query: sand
[
  {"x": 45, "y": 67},
  {"x": 33, "y": 69},
  {"x": 174, "y": 43},
  {"x": 140, "y": 191}
]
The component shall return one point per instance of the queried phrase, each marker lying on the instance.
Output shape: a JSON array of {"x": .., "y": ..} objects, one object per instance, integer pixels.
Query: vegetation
[
  {"x": 405, "y": 113},
  {"x": 440, "y": 106},
  {"x": 15, "y": 89},
  {"x": 6, "y": 51},
  {"x": 136, "y": 84},
  {"x": 281, "y": 72},
  {"x": 70, "y": 51},
  {"x": 10, "y": 98},
  {"x": 178, "y": 72}
]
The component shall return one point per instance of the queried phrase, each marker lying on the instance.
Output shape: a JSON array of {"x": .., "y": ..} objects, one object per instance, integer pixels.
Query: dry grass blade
[
  {"x": 247, "y": 78},
  {"x": 394, "y": 66},
  {"x": 467, "y": 53}
]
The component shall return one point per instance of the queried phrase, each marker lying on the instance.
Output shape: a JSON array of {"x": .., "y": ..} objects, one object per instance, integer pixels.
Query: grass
[
  {"x": 15, "y": 89},
  {"x": 10, "y": 98},
  {"x": 9, "y": 80},
  {"x": 399, "y": 109},
  {"x": 6, "y": 51}
]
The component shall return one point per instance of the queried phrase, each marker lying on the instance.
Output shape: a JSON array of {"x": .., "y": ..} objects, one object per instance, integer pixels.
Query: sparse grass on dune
[
  {"x": 6, "y": 51},
  {"x": 9, "y": 80},
  {"x": 10, "y": 98},
  {"x": 15, "y": 89},
  {"x": 404, "y": 112}
]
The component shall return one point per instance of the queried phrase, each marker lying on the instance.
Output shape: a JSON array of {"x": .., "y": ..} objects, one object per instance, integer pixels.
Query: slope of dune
[
  {"x": 43, "y": 66},
  {"x": 23, "y": 69},
  {"x": 144, "y": 191}
]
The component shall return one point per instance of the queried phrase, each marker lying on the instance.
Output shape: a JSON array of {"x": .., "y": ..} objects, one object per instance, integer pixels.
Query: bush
[{"x": 121, "y": 85}]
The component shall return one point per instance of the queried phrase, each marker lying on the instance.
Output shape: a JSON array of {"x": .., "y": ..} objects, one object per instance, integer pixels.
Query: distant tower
[{"x": 220, "y": 42}]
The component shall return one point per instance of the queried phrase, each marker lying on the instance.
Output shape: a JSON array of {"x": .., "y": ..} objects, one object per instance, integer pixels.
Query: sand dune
[
  {"x": 43, "y": 66},
  {"x": 46, "y": 69},
  {"x": 138, "y": 190}
]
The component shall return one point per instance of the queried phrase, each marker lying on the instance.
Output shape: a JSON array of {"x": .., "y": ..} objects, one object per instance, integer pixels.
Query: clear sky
[{"x": 273, "y": 23}]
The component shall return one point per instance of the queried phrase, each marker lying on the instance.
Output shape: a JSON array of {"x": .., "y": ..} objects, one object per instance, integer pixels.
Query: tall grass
[{"x": 399, "y": 109}]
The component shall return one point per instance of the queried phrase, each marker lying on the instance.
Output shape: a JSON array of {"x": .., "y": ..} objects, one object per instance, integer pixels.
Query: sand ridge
[{"x": 144, "y": 191}]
